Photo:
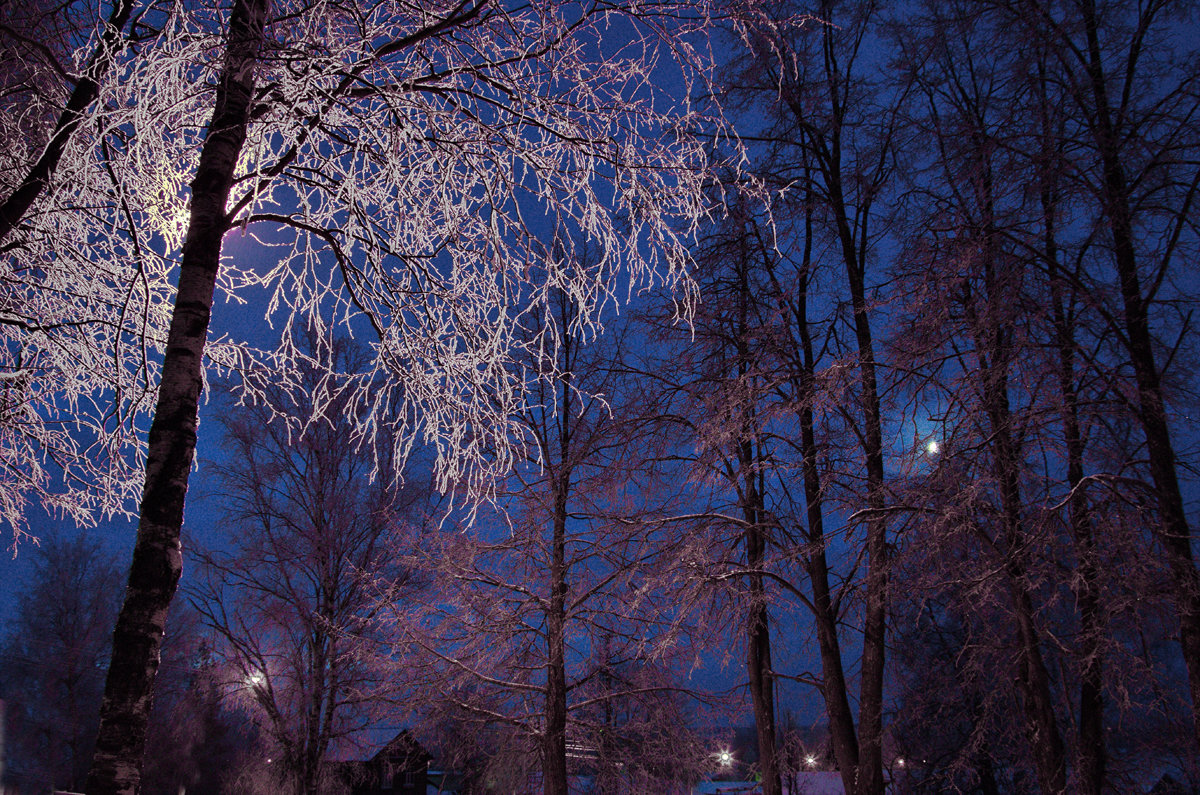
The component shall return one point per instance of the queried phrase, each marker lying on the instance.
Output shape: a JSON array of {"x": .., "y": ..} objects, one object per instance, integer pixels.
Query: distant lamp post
[
  {"x": 810, "y": 761},
  {"x": 724, "y": 758},
  {"x": 255, "y": 679}
]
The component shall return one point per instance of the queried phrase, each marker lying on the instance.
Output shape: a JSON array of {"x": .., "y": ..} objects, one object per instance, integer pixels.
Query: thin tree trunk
[
  {"x": 994, "y": 354},
  {"x": 554, "y": 743},
  {"x": 992, "y": 331},
  {"x": 1033, "y": 680},
  {"x": 834, "y": 689},
  {"x": 853, "y": 242},
  {"x": 157, "y": 563},
  {"x": 758, "y": 648},
  {"x": 1174, "y": 531},
  {"x": 762, "y": 689},
  {"x": 554, "y": 750},
  {"x": 15, "y": 206},
  {"x": 1033, "y": 677},
  {"x": 758, "y": 630},
  {"x": 833, "y": 675},
  {"x": 870, "y": 710},
  {"x": 824, "y": 142},
  {"x": 316, "y": 739},
  {"x": 1091, "y": 752}
]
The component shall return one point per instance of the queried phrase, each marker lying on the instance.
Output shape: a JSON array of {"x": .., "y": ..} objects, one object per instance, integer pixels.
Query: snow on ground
[{"x": 817, "y": 783}]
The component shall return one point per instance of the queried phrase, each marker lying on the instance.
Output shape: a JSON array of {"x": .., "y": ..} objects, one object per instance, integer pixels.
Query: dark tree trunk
[
  {"x": 554, "y": 743},
  {"x": 834, "y": 690},
  {"x": 992, "y": 332},
  {"x": 761, "y": 677},
  {"x": 111, "y": 40},
  {"x": 554, "y": 749},
  {"x": 762, "y": 692},
  {"x": 1174, "y": 531},
  {"x": 154, "y": 575},
  {"x": 869, "y": 779},
  {"x": 993, "y": 341},
  {"x": 820, "y": 132},
  {"x": 833, "y": 675},
  {"x": 758, "y": 651},
  {"x": 853, "y": 239},
  {"x": 1091, "y": 752},
  {"x": 1033, "y": 679},
  {"x": 987, "y": 775}
]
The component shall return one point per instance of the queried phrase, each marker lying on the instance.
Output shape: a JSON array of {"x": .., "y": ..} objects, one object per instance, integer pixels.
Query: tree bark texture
[{"x": 157, "y": 563}]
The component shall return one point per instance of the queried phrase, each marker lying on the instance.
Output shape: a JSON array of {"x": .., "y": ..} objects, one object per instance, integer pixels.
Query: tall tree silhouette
[{"x": 290, "y": 596}]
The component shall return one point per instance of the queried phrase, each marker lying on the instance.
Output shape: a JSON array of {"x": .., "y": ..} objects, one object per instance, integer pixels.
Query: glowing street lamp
[
  {"x": 255, "y": 679},
  {"x": 725, "y": 758}
]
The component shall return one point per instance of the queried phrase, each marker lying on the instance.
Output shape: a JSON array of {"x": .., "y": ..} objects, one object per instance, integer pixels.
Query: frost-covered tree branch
[
  {"x": 404, "y": 162},
  {"x": 423, "y": 153}
]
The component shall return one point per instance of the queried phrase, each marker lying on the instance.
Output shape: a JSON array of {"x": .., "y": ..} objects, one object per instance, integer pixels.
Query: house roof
[{"x": 404, "y": 747}]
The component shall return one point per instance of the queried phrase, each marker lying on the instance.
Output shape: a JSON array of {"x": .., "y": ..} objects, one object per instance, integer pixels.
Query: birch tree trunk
[{"x": 157, "y": 563}]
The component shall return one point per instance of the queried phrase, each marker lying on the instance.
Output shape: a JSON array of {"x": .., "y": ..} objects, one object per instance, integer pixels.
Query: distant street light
[{"x": 725, "y": 758}]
